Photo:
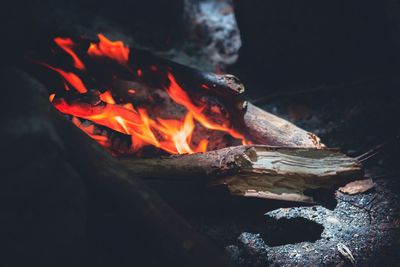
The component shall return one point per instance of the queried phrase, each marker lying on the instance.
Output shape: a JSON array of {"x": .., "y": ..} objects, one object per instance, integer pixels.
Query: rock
[
  {"x": 253, "y": 249},
  {"x": 211, "y": 32}
]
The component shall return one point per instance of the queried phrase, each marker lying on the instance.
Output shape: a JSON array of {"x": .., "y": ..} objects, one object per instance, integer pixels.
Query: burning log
[
  {"x": 254, "y": 171},
  {"x": 164, "y": 104}
]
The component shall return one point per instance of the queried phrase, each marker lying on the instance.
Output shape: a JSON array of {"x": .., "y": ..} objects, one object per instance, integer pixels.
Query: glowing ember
[{"x": 171, "y": 135}]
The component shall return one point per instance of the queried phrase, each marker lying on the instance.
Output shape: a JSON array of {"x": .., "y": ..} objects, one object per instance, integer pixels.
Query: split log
[{"x": 254, "y": 171}]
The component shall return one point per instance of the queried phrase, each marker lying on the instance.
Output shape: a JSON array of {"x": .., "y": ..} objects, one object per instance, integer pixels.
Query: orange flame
[
  {"x": 70, "y": 77},
  {"x": 67, "y": 45},
  {"x": 113, "y": 50},
  {"x": 180, "y": 96},
  {"x": 171, "y": 135},
  {"x": 51, "y": 97},
  {"x": 175, "y": 134},
  {"x": 179, "y": 135},
  {"x": 107, "y": 97}
]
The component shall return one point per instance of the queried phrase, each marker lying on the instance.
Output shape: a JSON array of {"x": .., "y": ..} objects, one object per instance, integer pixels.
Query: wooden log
[
  {"x": 265, "y": 128},
  {"x": 281, "y": 173}
]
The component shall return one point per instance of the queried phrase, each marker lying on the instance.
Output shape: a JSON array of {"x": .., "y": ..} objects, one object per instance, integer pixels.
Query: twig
[{"x": 371, "y": 153}]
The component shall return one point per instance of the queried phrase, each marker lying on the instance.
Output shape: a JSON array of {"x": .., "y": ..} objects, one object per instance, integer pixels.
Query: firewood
[
  {"x": 281, "y": 173},
  {"x": 266, "y": 128}
]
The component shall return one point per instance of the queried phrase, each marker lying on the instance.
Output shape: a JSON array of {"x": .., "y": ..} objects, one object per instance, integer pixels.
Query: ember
[{"x": 144, "y": 127}]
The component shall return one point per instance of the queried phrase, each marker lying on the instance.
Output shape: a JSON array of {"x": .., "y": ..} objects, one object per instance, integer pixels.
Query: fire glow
[{"x": 171, "y": 135}]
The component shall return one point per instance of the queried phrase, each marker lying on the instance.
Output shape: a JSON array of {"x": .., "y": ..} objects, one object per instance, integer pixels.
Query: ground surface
[{"x": 355, "y": 118}]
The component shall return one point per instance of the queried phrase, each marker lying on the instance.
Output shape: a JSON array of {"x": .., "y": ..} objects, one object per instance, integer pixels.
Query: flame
[
  {"x": 67, "y": 45},
  {"x": 107, "y": 97},
  {"x": 51, "y": 97},
  {"x": 175, "y": 135},
  {"x": 113, "y": 50},
  {"x": 180, "y": 134},
  {"x": 70, "y": 77},
  {"x": 171, "y": 135},
  {"x": 180, "y": 96}
]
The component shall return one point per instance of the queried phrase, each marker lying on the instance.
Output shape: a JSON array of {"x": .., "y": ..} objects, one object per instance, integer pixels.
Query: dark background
[
  {"x": 293, "y": 43},
  {"x": 285, "y": 43}
]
